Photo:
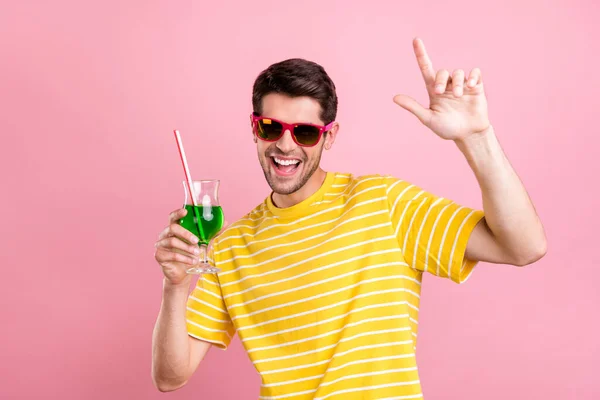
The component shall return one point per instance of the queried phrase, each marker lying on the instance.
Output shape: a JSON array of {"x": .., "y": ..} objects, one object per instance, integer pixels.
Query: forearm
[
  {"x": 170, "y": 343},
  {"x": 509, "y": 212}
]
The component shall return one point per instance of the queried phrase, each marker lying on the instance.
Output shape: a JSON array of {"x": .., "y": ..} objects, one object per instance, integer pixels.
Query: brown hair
[{"x": 297, "y": 77}]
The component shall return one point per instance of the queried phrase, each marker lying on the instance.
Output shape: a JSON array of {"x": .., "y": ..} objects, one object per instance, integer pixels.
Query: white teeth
[{"x": 286, "y": 162}]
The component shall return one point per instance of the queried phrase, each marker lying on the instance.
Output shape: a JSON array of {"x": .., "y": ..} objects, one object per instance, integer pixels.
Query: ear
[
  {"x": 252, "y": 129},
  {"x": 331, "y": 135}
]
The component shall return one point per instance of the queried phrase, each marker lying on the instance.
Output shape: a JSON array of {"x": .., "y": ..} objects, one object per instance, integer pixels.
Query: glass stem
[{"x": 203, "y": 256}]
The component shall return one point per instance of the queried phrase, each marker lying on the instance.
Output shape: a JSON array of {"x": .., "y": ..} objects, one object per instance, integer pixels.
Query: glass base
[{"x": 203, "y": 269}]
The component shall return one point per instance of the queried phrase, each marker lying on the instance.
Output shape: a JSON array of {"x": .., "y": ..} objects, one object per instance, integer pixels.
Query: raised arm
[
  {"x": 511, "y": 231},
  {"x": 175, "y": 354}
]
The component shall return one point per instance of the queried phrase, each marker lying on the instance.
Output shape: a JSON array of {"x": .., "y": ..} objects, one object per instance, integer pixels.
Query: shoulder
[
  {"x": 349, "y": 179},
  {"x": 374, "y": 181},
  {"x": 366, "y": 186},
  {"x": 388, "y": 184}
]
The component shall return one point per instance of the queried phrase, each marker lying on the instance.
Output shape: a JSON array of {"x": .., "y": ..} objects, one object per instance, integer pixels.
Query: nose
[{"x": 285, "y": 143}]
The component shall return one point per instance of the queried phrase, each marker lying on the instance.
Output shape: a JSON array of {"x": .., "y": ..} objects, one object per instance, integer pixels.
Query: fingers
[
  {"x": 413, "y": 106},
  {"x": 441, "y": 81},
  {"x": 424, "y": 61},
  {"x": 176, "y": 215},
  {"x": 442, "y": 77},
  {"x": 474, "y": 78},
  {"x": 163, "y": 255},
  {"x": 173, "y": 242},
  {"x": 458, "y": 81},
  {"x": 175, "y": 229}
]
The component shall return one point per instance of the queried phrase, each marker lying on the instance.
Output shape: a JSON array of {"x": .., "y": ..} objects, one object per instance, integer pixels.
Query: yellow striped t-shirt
[{"x": 324, "y": 295}]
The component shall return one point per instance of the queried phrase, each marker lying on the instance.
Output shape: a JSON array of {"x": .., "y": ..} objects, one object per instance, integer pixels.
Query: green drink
[
  {"x": 204, "y": 219},
  {"x": 208, "y": 219}
]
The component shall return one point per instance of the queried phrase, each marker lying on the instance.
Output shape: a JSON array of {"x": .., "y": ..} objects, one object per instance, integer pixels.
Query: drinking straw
[{"x": 188, "y": 178}]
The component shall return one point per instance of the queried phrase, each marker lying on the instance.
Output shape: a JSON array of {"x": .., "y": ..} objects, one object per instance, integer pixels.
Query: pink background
[{"x": 90, "y": 92}]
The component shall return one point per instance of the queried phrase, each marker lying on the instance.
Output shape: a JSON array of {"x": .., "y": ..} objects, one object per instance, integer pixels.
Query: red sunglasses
[{"x": 271, "y": 130}]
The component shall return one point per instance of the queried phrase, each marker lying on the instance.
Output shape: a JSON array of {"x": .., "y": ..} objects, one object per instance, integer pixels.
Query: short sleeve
[
  {"x": 432, "y": 231},
  {"x": 206, "y": 315}
]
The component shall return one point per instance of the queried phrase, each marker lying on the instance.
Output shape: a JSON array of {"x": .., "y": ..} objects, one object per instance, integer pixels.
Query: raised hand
[
  {"x": 457, "y": 103},
  {"x": 177, "y": 249}
]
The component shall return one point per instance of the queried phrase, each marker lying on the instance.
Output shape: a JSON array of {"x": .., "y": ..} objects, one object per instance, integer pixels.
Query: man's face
[{"x": 287, "y": 179}]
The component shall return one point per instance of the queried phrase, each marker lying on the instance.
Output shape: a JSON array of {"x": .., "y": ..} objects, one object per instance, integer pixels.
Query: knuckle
[
  {"x": 175, "y": 215},
  {"x": 184, "y": 259},
  {"x": 441, "y": 79}
]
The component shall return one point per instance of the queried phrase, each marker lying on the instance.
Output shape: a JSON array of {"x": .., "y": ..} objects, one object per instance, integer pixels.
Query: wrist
[
  {"x": 476, "y": 141},
  {"x": 183, "y": 286}
]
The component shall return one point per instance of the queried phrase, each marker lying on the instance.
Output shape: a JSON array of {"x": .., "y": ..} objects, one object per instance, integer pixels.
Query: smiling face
[{"x": 287, "y": 166}]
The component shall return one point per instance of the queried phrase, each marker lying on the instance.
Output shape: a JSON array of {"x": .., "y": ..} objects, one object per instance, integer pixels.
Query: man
[{"x": 322, "y": 280}]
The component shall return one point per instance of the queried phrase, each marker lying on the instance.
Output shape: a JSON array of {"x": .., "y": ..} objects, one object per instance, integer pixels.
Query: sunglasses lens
[
  {"x": 306, "y": 134},
  {"x": 268, "y": 129}
]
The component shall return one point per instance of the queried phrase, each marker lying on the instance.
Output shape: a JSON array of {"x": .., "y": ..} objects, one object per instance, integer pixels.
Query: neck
[{"x": 288, "y": 200}]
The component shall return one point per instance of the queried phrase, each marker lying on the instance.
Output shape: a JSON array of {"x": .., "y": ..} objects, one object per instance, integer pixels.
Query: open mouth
[{"x": 285, "y": 166}]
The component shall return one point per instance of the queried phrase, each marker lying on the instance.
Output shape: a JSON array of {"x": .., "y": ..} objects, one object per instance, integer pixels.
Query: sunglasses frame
[{"x": 255, "y": 118}]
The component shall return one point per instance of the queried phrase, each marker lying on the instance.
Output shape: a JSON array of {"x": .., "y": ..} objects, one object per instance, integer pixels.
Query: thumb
[{"x": 410, "y": 104}]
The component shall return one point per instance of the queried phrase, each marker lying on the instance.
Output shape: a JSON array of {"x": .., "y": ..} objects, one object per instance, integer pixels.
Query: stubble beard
[{"x": 308, "y": 169}]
